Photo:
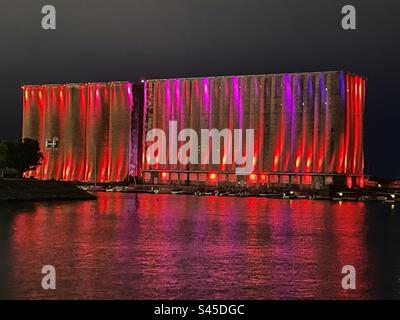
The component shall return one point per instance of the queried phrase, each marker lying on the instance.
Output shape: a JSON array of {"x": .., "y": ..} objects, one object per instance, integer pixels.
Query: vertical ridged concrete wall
[
  {"x": 304, "y": 122},
  {"x": 92, "y": 124}
]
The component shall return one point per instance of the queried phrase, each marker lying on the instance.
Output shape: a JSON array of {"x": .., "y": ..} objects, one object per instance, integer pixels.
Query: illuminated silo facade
[
  {"x": 84, "y": 130},
  {"x": 308, "y": 127}
]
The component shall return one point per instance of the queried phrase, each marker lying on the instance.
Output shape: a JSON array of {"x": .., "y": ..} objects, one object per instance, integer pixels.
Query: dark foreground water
[{"x": 188, "y": 247}]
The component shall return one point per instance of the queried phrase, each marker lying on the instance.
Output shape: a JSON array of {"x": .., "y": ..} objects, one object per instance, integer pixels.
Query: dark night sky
[{"x": 98, "y": 40}]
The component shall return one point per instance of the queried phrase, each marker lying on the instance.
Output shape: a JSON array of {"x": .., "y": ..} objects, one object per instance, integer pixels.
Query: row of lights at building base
[{"x": 262, "y": 178}]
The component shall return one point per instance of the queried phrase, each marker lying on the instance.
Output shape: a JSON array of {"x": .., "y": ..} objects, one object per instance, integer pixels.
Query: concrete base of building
[{"x": 275, "y": 181}]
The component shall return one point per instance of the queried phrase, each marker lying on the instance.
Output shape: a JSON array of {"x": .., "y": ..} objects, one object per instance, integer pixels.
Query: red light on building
[
  {"x": 263, "y": 178},
  {"x": 360, "y": 182},
  {"x": 349, "y": 182},
  {"x": 253, "y": 177},
  {"x": 212, "y": 176},
  {"x": 298, "y": 160},
  {"x": 308, "y": 166},
  {"x": 164, "y": 175},
  {"x": 307, "y": 180}
]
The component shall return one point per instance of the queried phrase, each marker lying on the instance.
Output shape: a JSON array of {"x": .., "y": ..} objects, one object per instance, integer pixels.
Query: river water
[{"x": 189, "y": 247}]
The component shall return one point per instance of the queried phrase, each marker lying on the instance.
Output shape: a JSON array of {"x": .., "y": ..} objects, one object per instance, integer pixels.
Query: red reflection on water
[
  {"x": 349, "y": 226},
  {"x": 170, "y": 246}
]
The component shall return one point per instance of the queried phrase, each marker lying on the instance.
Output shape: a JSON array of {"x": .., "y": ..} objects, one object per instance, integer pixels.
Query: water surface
[{"x": 189, "y": 247}]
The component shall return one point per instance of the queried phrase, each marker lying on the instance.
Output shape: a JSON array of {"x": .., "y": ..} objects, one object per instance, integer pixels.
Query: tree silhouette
[{"x": 22, "y": 155}]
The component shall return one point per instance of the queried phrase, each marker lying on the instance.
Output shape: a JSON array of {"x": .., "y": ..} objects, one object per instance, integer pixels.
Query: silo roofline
[
  {"x": 253, "y": 75},
  {"x": 74, "y": 83},
  {"x": 193, "y": 78}
]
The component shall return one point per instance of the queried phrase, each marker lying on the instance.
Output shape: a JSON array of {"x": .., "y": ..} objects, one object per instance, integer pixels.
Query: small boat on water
[
  {"x": 328, "y": 198},
  {"x": 289, "y": 195},
  {"x": 342, "y": 199},
  {"x": 220, "y": 193},
  {"x": 205, "y": 193},
  {"x": 94, "y": 188},
  {"x": 115, "y": 189},
  {"x": 365, "y": 198},
  {"x": 274, "y": 195}
]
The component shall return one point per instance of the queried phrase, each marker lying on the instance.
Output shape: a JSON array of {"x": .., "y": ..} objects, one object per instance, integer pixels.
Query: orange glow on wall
[
  {"x": 212, "y": 176},
  {"x": 164, "y": 175},
  {"x": 253, "y": 177}
]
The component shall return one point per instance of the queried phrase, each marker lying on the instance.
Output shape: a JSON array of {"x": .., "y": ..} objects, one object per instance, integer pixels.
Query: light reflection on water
[{"x": 188, "y": 247}]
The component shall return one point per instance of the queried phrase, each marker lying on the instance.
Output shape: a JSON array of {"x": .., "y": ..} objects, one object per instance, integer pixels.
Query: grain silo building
[
  {"x": 308, "y": 128},
  {"x": 84, "y": 130}
]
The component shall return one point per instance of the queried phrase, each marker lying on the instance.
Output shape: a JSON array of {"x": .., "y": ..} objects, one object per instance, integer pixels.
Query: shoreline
[
  {"x": 358, "y": 195},
  {"x": 35, "y": 190},
  {"x": 39, "y": 190}
]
